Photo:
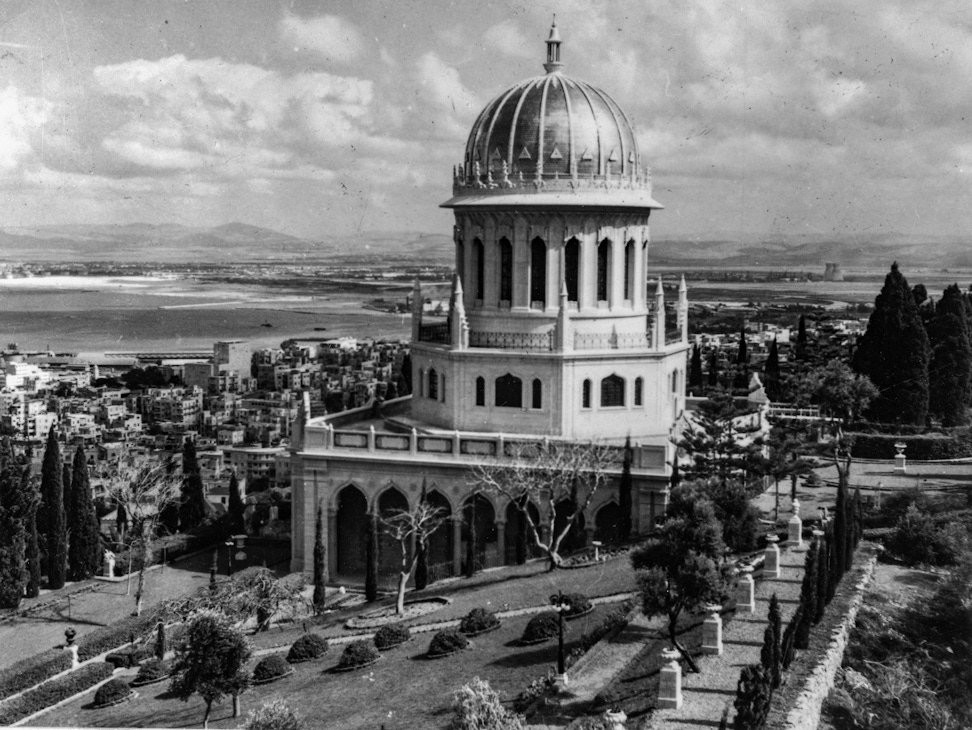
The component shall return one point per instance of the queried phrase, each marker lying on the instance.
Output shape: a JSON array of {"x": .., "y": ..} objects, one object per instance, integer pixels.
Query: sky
[{"x": 316, "y": 119}]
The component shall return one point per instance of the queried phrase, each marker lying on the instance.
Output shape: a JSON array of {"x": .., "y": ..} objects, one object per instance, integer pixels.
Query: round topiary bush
[
  {"x": 580, "y": 605},
  {"x": 541, "y": 627},
  {"x": 152, "y": 670},
  {"x": 447, "y": 642},
  {"x": 270, "y": 668},
  {"x": 111, "y": 693},
  {"x": 358, "y": 654},
  {"x": 307, "y": 647},
  {"x": 391, "y": 635},
  {"x": 478, "y": 621}
]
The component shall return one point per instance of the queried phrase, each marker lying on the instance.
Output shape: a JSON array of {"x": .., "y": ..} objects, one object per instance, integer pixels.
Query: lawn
[{"x": 403, "y": 690}]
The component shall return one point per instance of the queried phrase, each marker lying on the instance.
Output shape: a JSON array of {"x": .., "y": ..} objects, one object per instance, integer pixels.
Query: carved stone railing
[
  {"x": 611, "y": 341},
  {"x": 532, "y": 341},
  {"x": 434, "y": 333}
]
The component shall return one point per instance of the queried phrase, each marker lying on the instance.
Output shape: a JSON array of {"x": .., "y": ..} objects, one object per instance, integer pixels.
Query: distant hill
[{"x": 244, "y": 243}]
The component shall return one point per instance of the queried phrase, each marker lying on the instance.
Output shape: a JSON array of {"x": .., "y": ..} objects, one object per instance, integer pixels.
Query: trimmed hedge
[
  {"x": 307, "y": 647},
  {"x": 391, "y": 635},
  {"x": 271, "y": 667},
  {"x": 477, "y": 621},
  {"x": 152, "y": 670},
  {"x": 544, "y": 625},
  {"x": 129, "y": 657},
  {"x": 579, "y": 605},
  {"x": 54, "y": 691},
  {"x": 447, "y": 642},
  {"x": 920, "y": 447},
  {"x": 358, "y": 653},
  {"x": 111, "y": 691},
  {"x": 32, "y": 670},
  {"x": 116, "y": 635}
]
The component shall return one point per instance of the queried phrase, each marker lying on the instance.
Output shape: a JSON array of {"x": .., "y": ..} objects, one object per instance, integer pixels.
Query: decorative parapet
[
  {"x": 611, "y": 341},
  {"x": 480, "y": 183},
  {"x": 532, "y": 341}
]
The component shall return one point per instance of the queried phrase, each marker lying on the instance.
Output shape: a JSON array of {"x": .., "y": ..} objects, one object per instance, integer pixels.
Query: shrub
[
  {"x": 536, "y": 689},
  {"x": 391, "y": 635},
  {"x": 477, "y": 706},
  {"x": 273, "y": 715},
  {"x": 152, "y": 670},
  {"x": 129, "y": 657},
  {"x": 478, "y": 620},
  {"x": 447, "y": 642},
  {"x": 33, "y": 670},
  {"x": 542, "y": 626},
  {"x": 918, "y": 539},
  {"x": 117, "y": 634},
  {"x": 358, "y": 653},
  {"x": 53, "y": 691},
  {"x": 921, "y": 447},
  {"x": 307, "y": 647},
  {"x": 110, "y": 692},
  {"x": 752, "y": 697},
  {"x": 579, "y": 604},
  {"x": 270, "y": 667}
]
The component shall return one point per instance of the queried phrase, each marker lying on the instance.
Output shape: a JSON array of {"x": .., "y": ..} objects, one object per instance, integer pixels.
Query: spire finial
[{"x": 553, "y": 63}]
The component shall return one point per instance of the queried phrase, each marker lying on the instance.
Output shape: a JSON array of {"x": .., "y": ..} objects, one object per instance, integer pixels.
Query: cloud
[
  {"x": 444, "y": 100},
  {"x": 506, "y": 37},
  {"x": 20, "y": 117},
  {"x": 328, "y": 36}
]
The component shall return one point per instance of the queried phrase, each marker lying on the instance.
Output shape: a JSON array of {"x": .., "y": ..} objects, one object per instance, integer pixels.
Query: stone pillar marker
[
  {"x": 70, "y": 647},
  {"x": 900, "y": 460},
  {"x": 615, "y": 720},
  {"x": 794, "y": 535},
  {"x": 670, "y": 681},
  {"x": 746, "y": 591},
  {"x": 712, "y": 631},
  {"x": 771, "y": 567}
]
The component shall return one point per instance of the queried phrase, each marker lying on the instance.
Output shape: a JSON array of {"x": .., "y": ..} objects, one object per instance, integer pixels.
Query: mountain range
[{"x": 244, "y": 243}]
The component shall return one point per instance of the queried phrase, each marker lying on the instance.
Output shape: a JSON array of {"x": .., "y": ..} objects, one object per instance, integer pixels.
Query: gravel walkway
[{"x": 707, "y": 694}]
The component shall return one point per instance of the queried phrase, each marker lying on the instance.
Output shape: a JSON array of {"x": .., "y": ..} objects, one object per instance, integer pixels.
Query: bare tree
[
  {"x": 417, "y": 523},
  {"x": 546, "y": 474},
  {"x": 144, "y": 487}
]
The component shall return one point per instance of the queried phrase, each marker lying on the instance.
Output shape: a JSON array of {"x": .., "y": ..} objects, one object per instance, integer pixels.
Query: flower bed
[
  {"x": 445, "y": 643},
  {"x": 112, "y": 692},
  {"x": 32, "y": 670},
  {"x": 580, "y": 605},
  {"x": 388, "y": 637},
  {"x": 53, "y": 691},
  {"x": 542, "y": 627},
  {"x": 307, "y": 647},
  {"x": 387, "y": 615},
  {"x": 152, "y": 671},
  {"x": 357, "y": 655},
  {"x": 270, "y": 669},
  {"x": 478, "y": 621}
]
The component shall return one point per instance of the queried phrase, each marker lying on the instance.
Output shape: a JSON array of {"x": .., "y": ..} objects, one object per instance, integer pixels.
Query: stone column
[
  {"x": 457, "y": 544},
  {"x": 745, "y": 591},
  {"x": 794, "y": 528},
  {"x": 670, "y": 682},
  {"x": 501, "y": 540},
  {"x": 771, "y": 566},
  {"x": 712, "y": 631}
]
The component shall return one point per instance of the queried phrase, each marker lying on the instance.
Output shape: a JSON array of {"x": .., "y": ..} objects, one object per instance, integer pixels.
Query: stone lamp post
[{"x": 560, "y": 604}]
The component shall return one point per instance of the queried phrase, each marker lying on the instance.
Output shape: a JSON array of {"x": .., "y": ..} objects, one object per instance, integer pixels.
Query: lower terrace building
[{"x": 552, "y": 333}]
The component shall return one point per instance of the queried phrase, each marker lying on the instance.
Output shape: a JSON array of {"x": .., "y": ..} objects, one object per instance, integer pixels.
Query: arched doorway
[
  {"x": 352, "y": 531},
  {"x": 575, "y": 538},
  {"x": 519, "y": 545},
  {"x": 478, "y": 509},
  {"x": 440, "y": 541},
  {"x": 607, "y": 523},
  {"x": 390, "y": 502}
]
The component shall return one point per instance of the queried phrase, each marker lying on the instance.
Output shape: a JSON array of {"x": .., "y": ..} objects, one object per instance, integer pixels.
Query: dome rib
[
  {"x": 571, "y": 161},
  {"x": 543, "y": 123},
  {"x": 582, "y": 87},
  {"x": 613, "y": 109},
  {"x": 526, "y": 86},
  {"x": 492, "y": 123},
  {"x": 618, "y": 111}
]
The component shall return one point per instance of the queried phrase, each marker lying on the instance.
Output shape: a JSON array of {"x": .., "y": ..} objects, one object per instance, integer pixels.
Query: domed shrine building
[{"x": 553, "y": 332}]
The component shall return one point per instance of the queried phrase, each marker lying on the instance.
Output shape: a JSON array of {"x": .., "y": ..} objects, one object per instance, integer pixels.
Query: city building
[{"x": 553, "y": 332}]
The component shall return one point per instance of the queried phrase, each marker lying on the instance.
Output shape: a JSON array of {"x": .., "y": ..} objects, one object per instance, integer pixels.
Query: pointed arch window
[
  {"x": 433, "y": 390},
  {"x": 421, "y": 381},
  {"x": 638, "y": 394},
  {"x": 480, "y": 391},
  {"x": 612, "y": 391},
  {"x": 509, "y": 391},
  {"x": 479, "y": 261},
  {"x": 586, "y": 394},
  {"x": 571, "y": 266},
  {"x": 538, "y": 273},
  {"x": 603, "y": 269},
  {"x": 629, "y": 269},
  {"x": 537, "y": 394},
  {"x": 506, "y": 270}
]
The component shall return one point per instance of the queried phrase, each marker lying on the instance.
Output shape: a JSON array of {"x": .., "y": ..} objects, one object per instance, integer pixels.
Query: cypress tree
[
  {"x": 840, "y": 526},
  {"x": 824, "y": 573},
  {"x": 624, "y": 492},
  {"x": 771, "y": 372},
  {"x": 775, "y": 631},
  {"x": 320, "y": 561},
  {"x": 407, "y": 374},
  {"x": 752, "y": 698},
  {"x": 16, "y": 506},
  {"x": 742, "y": 360},
  {"x": 33, "y": 554},
  {"x": 422, "y": 557},
  {"x": 894, "y": 353},
  {"x": 695, "y": 369},
  {"x": 950, "y": 368},
  {"x": 713, "y": 379},
  {"x": 371, "y": 560},
  {"x": 676, "y": 477},
  {"x": 160, "y": 643},
  {"x": 801, "y": 344},
  {"x": 193, "y": 505},
  {"x": 237, "y": 523},
  {"x": 858, "y": 531},
  {"x": 808, "y": 596},
  {"x": 85, "y": 545},
  {"x": 52, "y": 492}
]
